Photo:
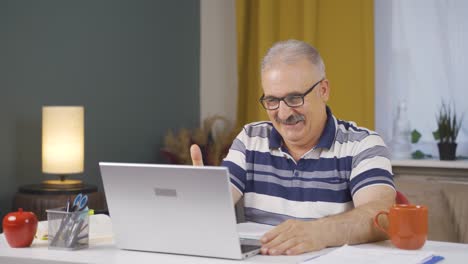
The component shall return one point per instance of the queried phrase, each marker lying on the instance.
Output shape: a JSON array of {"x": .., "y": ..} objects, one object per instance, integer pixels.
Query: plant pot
[{"x": 447, "y": 151}]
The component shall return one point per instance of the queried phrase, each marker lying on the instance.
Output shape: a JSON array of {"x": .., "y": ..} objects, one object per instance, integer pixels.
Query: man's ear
[{"x": 324, "y": 90}]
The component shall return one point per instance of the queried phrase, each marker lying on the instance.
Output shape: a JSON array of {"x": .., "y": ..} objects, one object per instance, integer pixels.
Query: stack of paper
[
  {"x": 350, "y": 255},
  {"x": 100, "y": 228},
  {"x": 251, "y": 230}
]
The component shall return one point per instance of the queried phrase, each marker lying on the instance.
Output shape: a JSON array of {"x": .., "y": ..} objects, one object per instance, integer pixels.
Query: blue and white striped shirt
[{"x": 275, "y": 187}]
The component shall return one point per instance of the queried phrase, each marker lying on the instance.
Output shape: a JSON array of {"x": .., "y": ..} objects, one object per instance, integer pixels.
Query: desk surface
[{"x": 106, "y": 252}]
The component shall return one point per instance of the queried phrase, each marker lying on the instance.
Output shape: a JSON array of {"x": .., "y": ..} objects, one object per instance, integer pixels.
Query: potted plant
[{"x": 448, "y": 126}]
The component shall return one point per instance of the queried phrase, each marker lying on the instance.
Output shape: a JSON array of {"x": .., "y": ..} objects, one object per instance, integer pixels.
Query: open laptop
[{"x": 173, "y": 209}]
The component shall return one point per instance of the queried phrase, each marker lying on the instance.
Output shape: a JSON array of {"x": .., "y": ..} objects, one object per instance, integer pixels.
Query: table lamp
[{"x": 62, "y": 144}]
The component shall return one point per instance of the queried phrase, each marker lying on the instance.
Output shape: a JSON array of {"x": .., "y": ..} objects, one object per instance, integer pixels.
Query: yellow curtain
[{"x": 342, "y": 31}]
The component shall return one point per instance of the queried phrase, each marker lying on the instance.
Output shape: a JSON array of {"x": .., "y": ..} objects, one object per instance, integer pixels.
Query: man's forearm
[{"x": 355, "y": 226}]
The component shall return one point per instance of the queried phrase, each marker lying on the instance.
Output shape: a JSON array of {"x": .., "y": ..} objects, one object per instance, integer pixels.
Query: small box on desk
[{"x": 68, "y": 230}]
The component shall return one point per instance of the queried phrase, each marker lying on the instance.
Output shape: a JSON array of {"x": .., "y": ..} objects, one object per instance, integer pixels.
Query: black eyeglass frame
[{"x": 295, "y": 96}]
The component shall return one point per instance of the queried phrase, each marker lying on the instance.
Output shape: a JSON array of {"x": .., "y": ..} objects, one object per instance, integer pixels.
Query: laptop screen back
[{"x": 171, "y": 209}]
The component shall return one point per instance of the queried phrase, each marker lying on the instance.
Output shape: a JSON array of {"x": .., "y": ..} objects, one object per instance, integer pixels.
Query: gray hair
[{"x": 291, "y": 51}]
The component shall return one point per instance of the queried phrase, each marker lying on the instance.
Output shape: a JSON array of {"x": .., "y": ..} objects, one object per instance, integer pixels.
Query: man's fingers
[
  {"x": 273, "y": 239},
  {"x": 195, "y": 153},
  {"x": 272, "y": 234},
  {"x": 278, "y": 240},
  {"x": 284, "y": 246},
  {"x": 296, "y": 250}
]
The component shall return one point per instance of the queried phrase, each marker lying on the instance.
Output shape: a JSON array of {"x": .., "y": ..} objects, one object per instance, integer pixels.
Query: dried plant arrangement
[{"x": 214, "y": 138}]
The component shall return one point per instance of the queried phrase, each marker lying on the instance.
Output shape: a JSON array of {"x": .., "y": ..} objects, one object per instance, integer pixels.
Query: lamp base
[{"x": 62, "y": 184}]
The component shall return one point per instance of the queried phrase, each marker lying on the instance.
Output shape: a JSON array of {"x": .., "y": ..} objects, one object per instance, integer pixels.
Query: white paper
[
  {"x": 100, "y": 227},
  {"x": 251, "y": 230},
  {"x": 350, "y": 255}
]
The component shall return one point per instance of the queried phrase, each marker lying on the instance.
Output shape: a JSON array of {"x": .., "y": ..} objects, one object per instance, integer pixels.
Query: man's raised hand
[{"x": 196, "y": 155}]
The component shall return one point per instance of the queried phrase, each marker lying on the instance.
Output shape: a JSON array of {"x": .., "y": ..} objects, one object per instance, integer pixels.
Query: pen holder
[{"x": 67, "y": 230}]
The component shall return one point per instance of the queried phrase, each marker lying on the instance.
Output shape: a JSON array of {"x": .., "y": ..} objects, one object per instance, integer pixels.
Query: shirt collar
[
  {"x": 326, "y": 139},
  {"x": 329, "y": 132}
]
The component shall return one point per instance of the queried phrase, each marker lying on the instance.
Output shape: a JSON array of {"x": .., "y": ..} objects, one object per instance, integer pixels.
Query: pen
[{"x": 73, "y": 234}]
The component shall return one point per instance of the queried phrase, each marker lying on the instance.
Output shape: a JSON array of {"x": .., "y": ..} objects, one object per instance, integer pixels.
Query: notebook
[
  {"x": 351, "y": 254},
  {"x": 173, "y": 209}
]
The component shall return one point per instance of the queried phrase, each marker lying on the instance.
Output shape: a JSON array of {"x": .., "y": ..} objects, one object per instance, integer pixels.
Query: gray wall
[{"x": 134, "y": 65}]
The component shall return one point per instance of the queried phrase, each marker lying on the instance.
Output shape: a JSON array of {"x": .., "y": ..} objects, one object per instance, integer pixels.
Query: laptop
[{"x": 174, "y": 209}]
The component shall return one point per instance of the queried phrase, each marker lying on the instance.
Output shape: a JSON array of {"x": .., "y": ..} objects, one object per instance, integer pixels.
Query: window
[{"x": 421, "y": 56}]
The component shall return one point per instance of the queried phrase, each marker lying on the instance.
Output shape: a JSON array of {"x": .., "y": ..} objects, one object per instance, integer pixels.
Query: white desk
[{"x": 106, "y": 252}]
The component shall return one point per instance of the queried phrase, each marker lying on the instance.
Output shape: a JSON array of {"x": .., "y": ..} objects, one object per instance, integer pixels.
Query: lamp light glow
[{"x": 62, "y": 140}]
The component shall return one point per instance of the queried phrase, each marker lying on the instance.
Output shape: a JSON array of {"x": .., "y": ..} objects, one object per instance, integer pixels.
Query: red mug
[
  {"x": 20, "y": 228},
  {"x": 407, "y": 225}
]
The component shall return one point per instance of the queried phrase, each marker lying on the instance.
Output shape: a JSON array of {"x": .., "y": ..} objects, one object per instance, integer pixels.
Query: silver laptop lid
[{"x": 171, "y": 209}]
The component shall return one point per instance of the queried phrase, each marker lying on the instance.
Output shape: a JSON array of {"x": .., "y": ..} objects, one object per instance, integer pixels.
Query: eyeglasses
[{"x": 292, "y": 100}]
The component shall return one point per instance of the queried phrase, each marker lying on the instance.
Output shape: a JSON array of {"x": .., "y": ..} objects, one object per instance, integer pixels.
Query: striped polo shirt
[{"x": 275, "y": 187}]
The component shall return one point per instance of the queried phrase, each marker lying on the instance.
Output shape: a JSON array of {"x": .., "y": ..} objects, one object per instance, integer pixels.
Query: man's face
[{"x": 300, "y": 125}]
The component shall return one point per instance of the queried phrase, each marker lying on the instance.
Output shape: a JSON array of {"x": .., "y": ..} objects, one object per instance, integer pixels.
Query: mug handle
[{"x": 376, "y": 222}]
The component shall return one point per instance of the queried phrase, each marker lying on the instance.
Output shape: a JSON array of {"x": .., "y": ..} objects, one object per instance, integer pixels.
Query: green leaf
[
  {"x": 415, "y": 136},
  {"x": 436, "y": 135},
  {"x": 418, "y": 155}
]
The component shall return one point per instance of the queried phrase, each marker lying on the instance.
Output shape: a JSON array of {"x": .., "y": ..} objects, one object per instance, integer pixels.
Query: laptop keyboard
[{"x": 248, "y": 248}]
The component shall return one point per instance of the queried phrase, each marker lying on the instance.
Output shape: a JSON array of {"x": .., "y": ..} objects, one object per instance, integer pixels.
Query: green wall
[{"x": 134, "y": 65}]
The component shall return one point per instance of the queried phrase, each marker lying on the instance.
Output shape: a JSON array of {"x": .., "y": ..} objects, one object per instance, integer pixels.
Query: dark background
[{"x": 134, "y": 65}]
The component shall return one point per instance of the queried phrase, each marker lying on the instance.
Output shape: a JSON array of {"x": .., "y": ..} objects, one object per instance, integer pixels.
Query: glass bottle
[{"x": 401, "y": 140}]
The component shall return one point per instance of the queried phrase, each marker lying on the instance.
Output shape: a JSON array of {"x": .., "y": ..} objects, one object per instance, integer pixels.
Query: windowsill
[{"x": 432, "y": 163}]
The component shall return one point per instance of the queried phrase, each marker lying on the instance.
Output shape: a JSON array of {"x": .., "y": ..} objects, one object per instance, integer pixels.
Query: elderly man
[{"x": 319, "y": 179}]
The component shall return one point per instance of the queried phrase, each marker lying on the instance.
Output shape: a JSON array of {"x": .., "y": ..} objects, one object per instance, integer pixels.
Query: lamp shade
[{"x": 62, "y": 139}]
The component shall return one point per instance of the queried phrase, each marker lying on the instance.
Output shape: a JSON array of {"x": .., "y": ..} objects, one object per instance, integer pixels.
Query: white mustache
[{"x": 291, "y": 120}]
